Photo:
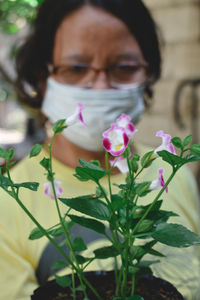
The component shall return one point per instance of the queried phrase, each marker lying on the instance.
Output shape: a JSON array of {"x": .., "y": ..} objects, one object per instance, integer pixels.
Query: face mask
[{"x": 101, "y": 109}]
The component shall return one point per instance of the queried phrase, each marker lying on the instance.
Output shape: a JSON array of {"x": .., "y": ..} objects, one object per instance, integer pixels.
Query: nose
[{"x": 101, "y": 81}]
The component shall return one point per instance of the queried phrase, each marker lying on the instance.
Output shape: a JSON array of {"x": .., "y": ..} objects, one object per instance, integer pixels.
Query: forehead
[{"x": 93, "y": 32}]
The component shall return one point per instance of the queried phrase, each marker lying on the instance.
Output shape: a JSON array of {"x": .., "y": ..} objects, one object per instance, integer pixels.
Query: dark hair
[{"x": 35, "y": 55}]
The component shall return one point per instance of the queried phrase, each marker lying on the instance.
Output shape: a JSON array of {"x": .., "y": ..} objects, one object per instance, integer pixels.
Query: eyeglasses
[{"x": 84, "y": 75}]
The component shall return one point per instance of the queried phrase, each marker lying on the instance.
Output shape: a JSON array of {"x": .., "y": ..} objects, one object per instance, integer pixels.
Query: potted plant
[{"x": 119, "y": 217}]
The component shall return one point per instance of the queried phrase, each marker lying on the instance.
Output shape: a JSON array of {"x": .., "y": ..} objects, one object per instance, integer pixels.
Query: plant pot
[{"x": 148, "y": 286}]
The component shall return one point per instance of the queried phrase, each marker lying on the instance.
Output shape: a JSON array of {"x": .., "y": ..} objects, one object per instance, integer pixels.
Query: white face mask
[{"x": 101, "y": 109}]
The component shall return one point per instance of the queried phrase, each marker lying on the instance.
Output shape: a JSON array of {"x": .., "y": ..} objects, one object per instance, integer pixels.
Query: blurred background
[{"x": 176, "y": 103}]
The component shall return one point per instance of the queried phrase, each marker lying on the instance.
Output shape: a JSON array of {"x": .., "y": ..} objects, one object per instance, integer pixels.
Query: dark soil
[{"x": 149, "y": 287}]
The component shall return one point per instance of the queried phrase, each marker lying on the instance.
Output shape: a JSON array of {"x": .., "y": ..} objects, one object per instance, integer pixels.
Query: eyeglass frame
[{"x": 53, "y": 70}]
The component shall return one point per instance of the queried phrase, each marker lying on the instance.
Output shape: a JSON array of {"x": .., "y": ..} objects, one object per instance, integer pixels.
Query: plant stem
[
  {"x": 108, "y": 173},
  {"x": 73, "y": 286},
  {"x": 78, "y": 269},
  {"x": 155, "y": 200},
  {"x": 15, "y": 196},
  {"x": 118, "y": 282},
  {"x": 133, "y": 285},
  {"x": 92, "y": 288}
]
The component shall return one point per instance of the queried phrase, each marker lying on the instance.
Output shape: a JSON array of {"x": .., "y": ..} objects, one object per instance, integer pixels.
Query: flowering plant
[{"x": 120, "y": 217}]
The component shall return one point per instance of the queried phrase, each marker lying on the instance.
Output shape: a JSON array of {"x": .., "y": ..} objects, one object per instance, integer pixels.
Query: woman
[{"x": 105, "y": 54}]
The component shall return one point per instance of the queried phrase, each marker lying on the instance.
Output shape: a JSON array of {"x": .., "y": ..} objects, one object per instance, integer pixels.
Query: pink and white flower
[
  {"x": 121, "y": 164},
  {"x": 158, "y": 183},
  {"x": 166, "y": 143},
  {"x": 76, "y": 117},
  {"x": 115, "y": 140},
  {"x": 49, "y": 191},
  {"x": 125, "y": 122}
]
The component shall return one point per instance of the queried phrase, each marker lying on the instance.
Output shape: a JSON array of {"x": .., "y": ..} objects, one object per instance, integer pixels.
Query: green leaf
[
  {"x": 35, "y": 150},
  {"x": 156, "y": 253},
  {"x": 89, "y": 206},
  {"x": 106, "y": 252},
  {"x": 170, "y": 158},
  {"x": 137, "y": 252},
  {"x": 78, "y": 244},
  {"x": 147, "y": 263},
  {"x": 175, "y": 235},
  {"x": 187, "y": 140},
  {"x": 145, "y": 226},
  {"x": 134, "y": 166},
  {"x": 81, "y": 259},
  {"x": 176, "y": 141},
  {"x": 191, "y": 158},
  {"x": 135, "y": 157},
  {"x": 59, "y": 126},
  {"x": 147, "y": 159},
  {"x": 45, "y": 162},
  {"x": 3, "y": 153},
  {"x": 35, "y": 234},
  {"x": 5, "y": 182},
  {"x": 142, "y": 189},
  {"x": 58, "y": 265},
  {"x": 89, "y": 171},
  {"x": 63, "y": 281},
  {"x": 117, "y": 202},
  {"x": 89, "y": 223},
  {"x": 56, "y": 232},
  {"x": 195, "y": 149},
  {"x": 10, "y": 154},
  {"x": 33, "y": 186},
  {"x": 161, "y": 216}
]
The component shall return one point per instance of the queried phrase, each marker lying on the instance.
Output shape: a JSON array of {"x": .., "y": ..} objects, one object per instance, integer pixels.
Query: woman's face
[{"x": 92, "y": 37}]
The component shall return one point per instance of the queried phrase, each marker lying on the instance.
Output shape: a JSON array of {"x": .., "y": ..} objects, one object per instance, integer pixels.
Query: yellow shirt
[{"x": 20, "y": 257}]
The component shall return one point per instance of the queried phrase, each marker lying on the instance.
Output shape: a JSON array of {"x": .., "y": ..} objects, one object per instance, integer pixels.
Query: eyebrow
[
  {"x": 80, "y": 57},
  {"x": 76, "y": 57},
  {"x": 129, "y": 55}
]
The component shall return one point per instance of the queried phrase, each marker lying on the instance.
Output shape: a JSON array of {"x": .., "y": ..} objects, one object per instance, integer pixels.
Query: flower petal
[
  {"x": 166, "y": 143},
  {"x": 125, "y": 122},
  {"x": 121, "y": 164},
  {"x": 115, "y": 140},
  {"x": 49, "y": 191},
  {"x": 76, "y": 117},
  {"x": 158, "y": 183}
]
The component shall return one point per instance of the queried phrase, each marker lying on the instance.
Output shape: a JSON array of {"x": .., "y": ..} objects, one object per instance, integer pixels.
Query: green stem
[
  {"x": 78, "y": 269},
  {"x": 133, "y": 285},
  {"x": 15, "y": 196},
  {"x": 118, "y": 283},
  {"x": 155, "y": 200},
  {"x": 108, "y": 173},
  {"x": 73, "y": 286},
  {"x": 92, "y": 288},
  {"x": 139, "y": 173},
  {"x": 88, "y": 263}
]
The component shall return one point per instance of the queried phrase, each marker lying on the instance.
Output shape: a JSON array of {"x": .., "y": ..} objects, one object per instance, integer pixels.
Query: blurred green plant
[{"x": 15, "y": 14}]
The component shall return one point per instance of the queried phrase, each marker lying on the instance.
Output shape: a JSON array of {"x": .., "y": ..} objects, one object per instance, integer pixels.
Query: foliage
[
  {"x": 15, "y": 14},
  {"x": 120, "y": 217}
]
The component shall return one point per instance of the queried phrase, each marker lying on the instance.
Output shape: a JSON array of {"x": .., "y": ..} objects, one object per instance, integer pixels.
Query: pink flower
[
  {"x": 115, "y": 140},
  {"x": 125, "y": 122},
  {"x": 158, "y": 183},
  {"x": 76, "y": 117},
  {"x": 121, "y": 164},
  {"x": 49, "y": 191},
  {"x": 166, "y": 145}
]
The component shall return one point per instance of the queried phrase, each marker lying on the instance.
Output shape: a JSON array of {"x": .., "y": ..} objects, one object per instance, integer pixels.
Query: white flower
[{"x": 49, "y": 191}]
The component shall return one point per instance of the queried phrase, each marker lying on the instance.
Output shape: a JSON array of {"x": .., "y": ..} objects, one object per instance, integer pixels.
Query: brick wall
[{"x": 179, "y": 22}]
